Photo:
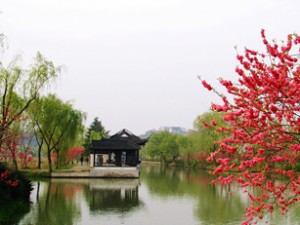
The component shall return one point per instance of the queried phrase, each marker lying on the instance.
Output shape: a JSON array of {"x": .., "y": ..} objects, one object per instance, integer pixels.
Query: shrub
[{"x": 13, "y": 185}]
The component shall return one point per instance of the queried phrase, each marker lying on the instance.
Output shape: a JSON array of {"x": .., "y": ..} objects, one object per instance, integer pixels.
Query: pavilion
[{"x": 116, "y": 156}]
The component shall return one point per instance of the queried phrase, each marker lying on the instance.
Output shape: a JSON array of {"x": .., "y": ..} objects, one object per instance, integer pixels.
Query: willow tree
[
  {"x": 206, "y": 125},
  {"x": 58, "y": 124},
  {"x": 18, "y": 89}
]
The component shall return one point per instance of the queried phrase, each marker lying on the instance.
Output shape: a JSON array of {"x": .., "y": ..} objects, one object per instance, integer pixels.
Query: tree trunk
[
  {"x": 189, "y": 163},
  {"x": 15, "y": 163},
  {"x": 164, "y": 162},
  {"x": 57, "y": 156},
  {"x": 174, "y": 160},
  {"x": 39, "y": 157},
  {"x": 49, "y": 160},
  {"x": 40, "y": 154}
]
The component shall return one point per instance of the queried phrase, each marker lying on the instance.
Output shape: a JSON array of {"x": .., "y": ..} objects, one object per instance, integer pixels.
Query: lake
[{"x": 159, "y": 197}]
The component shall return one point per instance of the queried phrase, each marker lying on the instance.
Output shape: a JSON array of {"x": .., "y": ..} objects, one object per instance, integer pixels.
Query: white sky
[{"x": 134, "y": 63}]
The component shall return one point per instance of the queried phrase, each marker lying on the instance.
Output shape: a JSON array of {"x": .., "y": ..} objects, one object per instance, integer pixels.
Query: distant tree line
[{"x": 189, "y": 150}]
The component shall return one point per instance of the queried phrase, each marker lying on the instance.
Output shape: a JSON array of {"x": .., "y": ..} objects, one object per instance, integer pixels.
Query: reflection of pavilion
[{"x": 114, "y": 195}]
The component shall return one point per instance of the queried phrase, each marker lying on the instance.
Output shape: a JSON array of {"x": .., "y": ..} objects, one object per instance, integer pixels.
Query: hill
[{"x": 172, "y": 130}]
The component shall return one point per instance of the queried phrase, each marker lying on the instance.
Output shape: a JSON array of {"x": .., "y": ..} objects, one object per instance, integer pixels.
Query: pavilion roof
[
  {"x": 107, "y": 144},
  {"x": 123, "y": 140},
  {"x": 127, "y": 135}
]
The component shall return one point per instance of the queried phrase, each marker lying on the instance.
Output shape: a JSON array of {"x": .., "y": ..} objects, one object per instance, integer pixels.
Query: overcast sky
[{"x": 134, "y": 63}]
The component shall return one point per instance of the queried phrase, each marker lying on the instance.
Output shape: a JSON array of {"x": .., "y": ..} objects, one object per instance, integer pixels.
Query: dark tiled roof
[
  {"x": 123, "y": 140},
  {"x": 107, "y": 144},
  {"x": 127, "y": 135}
]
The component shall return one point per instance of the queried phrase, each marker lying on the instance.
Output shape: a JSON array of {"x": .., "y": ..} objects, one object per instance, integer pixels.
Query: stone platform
[{"x": 98, "y": 172}]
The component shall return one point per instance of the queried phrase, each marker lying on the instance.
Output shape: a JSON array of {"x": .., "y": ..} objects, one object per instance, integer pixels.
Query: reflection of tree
[
  {"x": 11, "y": 212},
  {"x": 213, "y": 206},
  {"x": 53, "y": 206},
  {"x": 292, "y": 217},
  {"x": 162, "y": 181},
  {"x": 57, "y": 202}
]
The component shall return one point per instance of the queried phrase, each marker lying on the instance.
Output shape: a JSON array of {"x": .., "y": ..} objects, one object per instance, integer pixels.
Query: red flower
[
  {"x": 213, "y": 122},
  {"x": 206, "y": 85}
]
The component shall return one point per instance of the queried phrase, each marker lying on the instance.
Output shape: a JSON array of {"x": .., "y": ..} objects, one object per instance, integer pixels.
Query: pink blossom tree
[{"x": 262, "y": 113}]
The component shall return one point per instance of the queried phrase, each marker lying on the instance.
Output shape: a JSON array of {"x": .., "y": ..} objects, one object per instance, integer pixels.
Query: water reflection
[
  {"x": 114, "y": 195},
  {"x": 161, "y": 196},
  {"x": 213, "y": 206},
  {"x": 59, "y": 201},
  {"x": 212, "y": 203},
  {"x": 54, "y": 203}
]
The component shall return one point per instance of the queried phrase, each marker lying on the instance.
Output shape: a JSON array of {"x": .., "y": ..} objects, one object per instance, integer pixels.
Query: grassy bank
[{"x": 34, "y": 174}]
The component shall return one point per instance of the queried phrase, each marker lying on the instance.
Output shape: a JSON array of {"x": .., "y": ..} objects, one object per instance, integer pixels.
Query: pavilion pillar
[
  {"x": 118, "y": 158},
  {"x": 94, "y": 159}
]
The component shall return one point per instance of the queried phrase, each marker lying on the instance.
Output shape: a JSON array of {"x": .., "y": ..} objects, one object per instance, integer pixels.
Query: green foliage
[
  {"x": 196, "y": 140},
  {"x": 96, "y": 131},
  {"x": 164, "y": 146},
  {"x": 58, "y": 124},
  {"x": 297, "y": 167},
  {"x": 192, "y": 149},
  {"x": 19, "y": 88},
  {"x": 195, "y": 147},
  {"x": 207, "y": 124},
  {"x": 36, "y": 174}
]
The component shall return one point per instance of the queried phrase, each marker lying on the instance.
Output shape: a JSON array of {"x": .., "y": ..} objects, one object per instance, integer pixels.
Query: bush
[{"x": 13, "y": 185}]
